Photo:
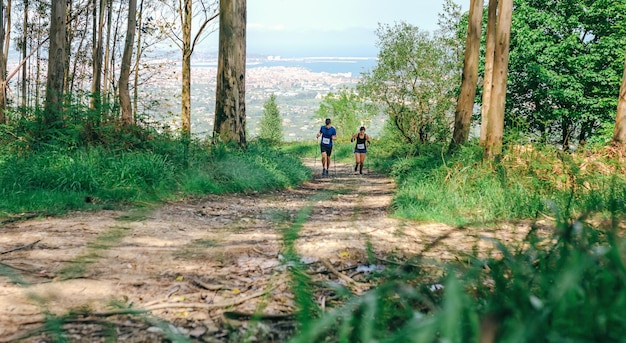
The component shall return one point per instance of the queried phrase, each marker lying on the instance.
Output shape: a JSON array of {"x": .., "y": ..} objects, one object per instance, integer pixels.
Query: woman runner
[{"x": 360, "y": 149}]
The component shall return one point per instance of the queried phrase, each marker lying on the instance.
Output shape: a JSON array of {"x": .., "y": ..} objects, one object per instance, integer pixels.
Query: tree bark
[
  {"x": 488, "y": 81},
  {"x": 96, "y": 85},
  {"x": 186, "y": 69},
  {"x": 230, "y": 106},
  {"x": 619, "y": 134},
  {"x": 56, "y": 64},
  {"x": 465, "y": 103},
  {"x": 125, "y": 105},
  {"x": 25, "y": 35},
  {"x": 495, "y": 126},
  {"x": 138, "y": 59},
  {"x": 3, "y": 69}
]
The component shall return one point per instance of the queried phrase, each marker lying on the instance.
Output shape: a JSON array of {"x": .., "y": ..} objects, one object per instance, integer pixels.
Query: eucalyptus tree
[
  {"x": 127, "y": 117},
  {"x": 413, "y": 83},
  {"x": 465, "y": 102},
  {"x": 181, "y": 32},
  {"x": 490, "y": 46},
  {"x": 495, "y": 127},
  {"x": 56, "y": 63},
  {"x": 566, "y": 67},
  {"x": 230, "y": 97},
  {"x": 5, "y": 32},
  {"x": 100, "y": 9}
]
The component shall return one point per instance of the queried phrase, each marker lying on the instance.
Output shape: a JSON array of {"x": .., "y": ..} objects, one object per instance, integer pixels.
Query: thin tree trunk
[
  {"x": 56, "y": 64},
  {"x": 495, "y": 129},
  {"x": 38, "y": 76},
  {"x": 24, "y": 48},
  {"x": 107, "y": 54},
  {"x": 566, "y": 133},
  {"x": 186, "y": 72},
  {"x": 3, "y": 68},
  {"x": 125, "y": 105},
  {"x": 230, "y": 104},
  {"x": 489, "y": 56},
  {"x": 465, "y": 103},
  {"x": 98, "y": 26},
  {"x": 619, "y": 134},
  {"x": 137, "y": 60},
  {"x": 70, "y": 34}
]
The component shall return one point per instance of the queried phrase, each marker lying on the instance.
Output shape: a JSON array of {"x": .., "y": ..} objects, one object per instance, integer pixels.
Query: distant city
[{"x": 299, "y": 85}]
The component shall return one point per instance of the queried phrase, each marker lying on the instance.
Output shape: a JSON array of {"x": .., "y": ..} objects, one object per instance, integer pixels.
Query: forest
[{"x": 491, "y": 208}]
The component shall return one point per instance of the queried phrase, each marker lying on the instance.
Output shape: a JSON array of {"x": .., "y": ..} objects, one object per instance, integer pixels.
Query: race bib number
[
  {"x": 360, "y": 146},
  {"x": 325, "y": 140}
]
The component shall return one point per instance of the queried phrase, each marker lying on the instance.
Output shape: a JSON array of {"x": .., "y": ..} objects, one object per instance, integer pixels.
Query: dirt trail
[{"x": 198, "y": 268}]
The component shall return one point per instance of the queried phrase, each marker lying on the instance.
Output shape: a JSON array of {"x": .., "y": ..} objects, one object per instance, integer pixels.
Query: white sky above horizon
[
  {"x": 337, "y": 15},
  {"x": 296, "y": 28}
]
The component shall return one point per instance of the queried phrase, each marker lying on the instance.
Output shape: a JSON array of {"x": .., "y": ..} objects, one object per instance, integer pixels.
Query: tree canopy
[{"x": 565, "y": 67}]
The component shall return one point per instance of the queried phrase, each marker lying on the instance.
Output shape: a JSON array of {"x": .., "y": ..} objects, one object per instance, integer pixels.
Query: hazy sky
[{"x": 331, "y": 27}]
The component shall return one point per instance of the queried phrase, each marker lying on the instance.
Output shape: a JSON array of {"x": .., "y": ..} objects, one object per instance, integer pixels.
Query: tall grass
[
  {"x": 564, "y": 285},
  {"x": 464, "y": 189},
  {"x": 58, "y": 180}
]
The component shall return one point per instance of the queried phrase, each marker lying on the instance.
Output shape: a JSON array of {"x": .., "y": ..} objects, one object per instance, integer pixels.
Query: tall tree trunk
[
  {"x": 488, "y": 81},
  {"x": 56, "y": 64},
  {"x": 619, "y": 134},
  {"x": 25, "y": 35},
  {"x": 98, "y": 27},
  {"x": 495, "y": 126},
  {"x": 3, "y": 69},
  {"x": 107, "y": 52},
  {"x": 186, "y": 72},
  {"x": 465, "y": 103},
  {"x": 125, "y": 105},
  {"x": 138, "y": 60},
  {"x": 230, "y": 103}
]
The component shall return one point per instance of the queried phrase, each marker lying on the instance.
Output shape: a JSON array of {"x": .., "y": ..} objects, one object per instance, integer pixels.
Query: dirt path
[{"x": 198, "y": 268}]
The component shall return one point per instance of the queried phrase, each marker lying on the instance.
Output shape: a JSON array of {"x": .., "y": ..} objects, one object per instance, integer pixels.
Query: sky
[{"x": 297, "y": 28}]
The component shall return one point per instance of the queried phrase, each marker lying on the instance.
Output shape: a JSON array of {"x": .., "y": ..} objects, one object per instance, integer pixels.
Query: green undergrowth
[
  {"x": 566, "y": 284},
  {"x": 463, "y": 189},
  {"x": 54, "y": 180}
]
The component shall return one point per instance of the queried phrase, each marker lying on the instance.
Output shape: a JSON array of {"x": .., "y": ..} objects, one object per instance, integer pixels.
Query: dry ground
[{"x": 199, "y": 268}]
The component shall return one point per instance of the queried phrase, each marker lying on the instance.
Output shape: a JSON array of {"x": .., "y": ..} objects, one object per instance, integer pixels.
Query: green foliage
[
  {"x": 62, "y": 179},
  {"x": 566, "y": 64},
  {"x": 414, "y": 83},
  {"x": 564, "y": 284},
  {"x": 462, "y": 189},
  {"x": 271, "y": 125},
  {"x": 348, "y": 112}
]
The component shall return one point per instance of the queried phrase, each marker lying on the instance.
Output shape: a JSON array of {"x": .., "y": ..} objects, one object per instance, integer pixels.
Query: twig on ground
[
  {"x": 258, "y": 251},
  {"x": 163, "y": 306},
  {"x": 17, "y": 268},
  {"x": 27, "y": 246},
  {"x": 343, "y": 277},
  {"x": 196, "y": 282},
  {"x": 259, "y": 316}
]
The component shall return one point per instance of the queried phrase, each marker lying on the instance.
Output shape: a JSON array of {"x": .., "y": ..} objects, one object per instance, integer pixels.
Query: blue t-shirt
[{"x": 327, "y": 135}]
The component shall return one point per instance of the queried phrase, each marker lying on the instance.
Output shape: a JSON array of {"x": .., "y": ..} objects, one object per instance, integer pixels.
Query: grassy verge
[
  {"x": 527, "y": 183},
  {"x": 56, "y": 181}
]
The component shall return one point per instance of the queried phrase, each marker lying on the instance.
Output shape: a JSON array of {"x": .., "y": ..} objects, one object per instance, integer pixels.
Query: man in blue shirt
[{"x": 329, "y": 134}]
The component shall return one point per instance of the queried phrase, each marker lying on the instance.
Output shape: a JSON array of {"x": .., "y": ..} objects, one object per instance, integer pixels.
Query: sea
[{"x": 331, "y": 65}]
